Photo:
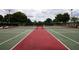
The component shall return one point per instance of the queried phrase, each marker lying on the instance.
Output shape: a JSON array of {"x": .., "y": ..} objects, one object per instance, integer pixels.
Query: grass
[
  {"x": 69, "y": 36},
  {"x": 9, "y": 37}
]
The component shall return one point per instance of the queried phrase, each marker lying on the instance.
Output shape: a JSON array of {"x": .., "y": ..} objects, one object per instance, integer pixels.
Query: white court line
[
  {"x": 67, "y": 37},
  {"x": 58, "y": 40},
  {"x": 12, "y": 37},
  {"x": 22, "y": 39}
]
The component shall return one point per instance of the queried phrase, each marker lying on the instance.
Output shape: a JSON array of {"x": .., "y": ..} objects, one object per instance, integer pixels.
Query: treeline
[
  {"x": 15, "y": 19},
  {"x": 60, "y": 19},
  {"x": 48, "y": 22},
  {"x": 63, "y": 20},
  {"x": 20, "y": 19}
]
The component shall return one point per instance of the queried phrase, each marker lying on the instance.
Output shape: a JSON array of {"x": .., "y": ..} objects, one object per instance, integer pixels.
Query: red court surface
[{"x": 40, "y": 39}]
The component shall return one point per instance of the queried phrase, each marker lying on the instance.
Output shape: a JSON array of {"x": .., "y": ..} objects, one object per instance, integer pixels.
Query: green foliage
[
  {"x": 59, "y": 18},
  {"x": 66, "y": 18},
  {"x": 74, "y": 19},
  {"x": 62, "y": 18},
  {"x": 1, "y": 20},
  {"x": 40, "y": 23},
  {"x": 29, "y": 22},
  {"x": 1, "y": 17},
  {"x": 35, "y": 22},
  {"x": 48, "y": 21},
  {"x": 19, "y": 17},
  {"x": 7, "y": 19}
]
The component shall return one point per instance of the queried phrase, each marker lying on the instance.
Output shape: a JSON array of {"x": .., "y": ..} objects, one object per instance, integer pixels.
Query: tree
[
  {"x": 1, "y": 19},
  {"x": 40, "y": 23},
  {"x": 48, "y": 21},
  {"x": 28, "y": 22},
  {"x": 19, "y": 17},
  {"x": 62, "y": 18},
  {"x": 7, "y": 19},
  {"x": 35, "y": 22},
  {"x": 74, "y": 19},
  {"x": 65, "y": 18},
  {"x": 58, "y": 18}
]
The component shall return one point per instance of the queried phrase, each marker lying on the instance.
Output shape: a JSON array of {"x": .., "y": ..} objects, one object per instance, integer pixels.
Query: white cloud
[
  {"x": 6, "y": 11},
  {"x": 40, "y": 14}
]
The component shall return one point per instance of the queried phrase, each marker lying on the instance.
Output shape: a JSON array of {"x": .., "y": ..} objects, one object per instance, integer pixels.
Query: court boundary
[
  {"x": 21, "y": 40},
  {"x": 58, "y": 39}
]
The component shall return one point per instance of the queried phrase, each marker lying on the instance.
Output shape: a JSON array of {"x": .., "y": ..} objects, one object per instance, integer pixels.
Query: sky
[{"x": 40, "y": 14}]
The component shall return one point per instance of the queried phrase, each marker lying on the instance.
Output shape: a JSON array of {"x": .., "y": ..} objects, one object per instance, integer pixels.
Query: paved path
[{"x": 40, "y": 39}]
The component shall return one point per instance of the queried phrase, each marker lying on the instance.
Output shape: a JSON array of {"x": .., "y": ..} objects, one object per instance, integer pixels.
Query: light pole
[
  {"x": 71, "y": 14},
  {"x": 9, "y": 16}
]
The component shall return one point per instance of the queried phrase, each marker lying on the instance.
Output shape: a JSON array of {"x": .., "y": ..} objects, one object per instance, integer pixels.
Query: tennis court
[
  {"x": 69, "y": 36},
  {"x": 9, "y": 37}
]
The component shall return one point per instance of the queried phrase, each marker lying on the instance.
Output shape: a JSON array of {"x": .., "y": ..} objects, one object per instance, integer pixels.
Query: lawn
[{"x": 69, "y": 36}]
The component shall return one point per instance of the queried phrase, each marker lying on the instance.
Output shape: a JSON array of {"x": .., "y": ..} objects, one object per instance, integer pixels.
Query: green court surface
[
  {"x": 11, "y": 36},
  {"x": 68, "y": 36}
]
